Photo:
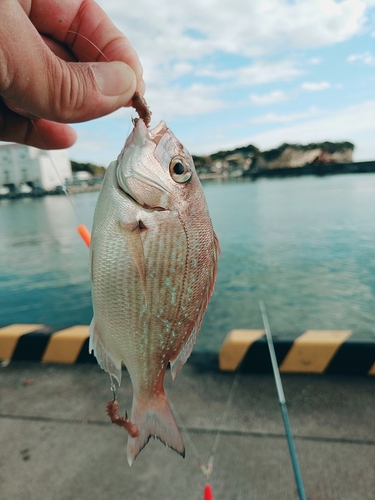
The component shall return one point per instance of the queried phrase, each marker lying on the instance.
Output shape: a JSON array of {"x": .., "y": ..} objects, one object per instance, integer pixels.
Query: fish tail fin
[{"x": 154, "y": 418}]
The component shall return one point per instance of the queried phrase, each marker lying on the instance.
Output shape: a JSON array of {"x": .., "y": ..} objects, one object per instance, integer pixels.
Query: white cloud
[
  {"x": 167, "y": 101},
  {"x": 364, "y": 57},
  {"x": 315, "y": 86},
  {"x": 181, "y": 69},
  {"x": 354, "y": 123},
  {"x": 261, "y": 72},
  {"x": 174, "y": 102},
  {"x": 265, "y": 72},
  {"x": 266, "y": 99},
  {"x": 162, "y": 32},
  {"x": 286, "y": 118},
  {"x": 99, "y": 147},
  {"x": 314, "y": 61}
]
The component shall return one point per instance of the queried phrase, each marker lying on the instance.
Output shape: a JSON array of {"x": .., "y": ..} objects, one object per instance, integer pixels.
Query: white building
[{"x": 24, "y": 166}]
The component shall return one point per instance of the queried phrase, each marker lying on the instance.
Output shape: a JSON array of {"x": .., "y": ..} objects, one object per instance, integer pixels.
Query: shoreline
[
  {"x": 318, "y": 170},
  {"x": 363, "y": 167}
]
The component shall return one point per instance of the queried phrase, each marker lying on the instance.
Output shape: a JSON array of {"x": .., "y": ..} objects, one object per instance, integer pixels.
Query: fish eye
[
  {"x": 180, "y": 172},
  {"x": 178, "y": 168}
]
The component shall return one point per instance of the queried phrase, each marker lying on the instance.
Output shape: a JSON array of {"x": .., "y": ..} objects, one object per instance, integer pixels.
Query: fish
[{"x": 154, "y": 258}]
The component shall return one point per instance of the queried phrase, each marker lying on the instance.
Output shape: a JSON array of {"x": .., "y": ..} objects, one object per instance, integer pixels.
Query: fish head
[{"x": 155, "y": 169}]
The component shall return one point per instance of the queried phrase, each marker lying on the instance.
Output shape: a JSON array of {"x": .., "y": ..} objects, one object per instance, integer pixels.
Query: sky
[{"x": 228, "y": 73}]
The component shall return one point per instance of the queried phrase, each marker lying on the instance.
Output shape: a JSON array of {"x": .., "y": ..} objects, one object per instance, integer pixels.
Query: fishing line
[
  {"x": 225, "y": 413},
  {"x": 81, "y": 228},
  {"x": 207, "y": 468},
  {"x": 90, "y": 42},
  {"x": 188, "y": 438},
  {"x": 56, "y": 171}
]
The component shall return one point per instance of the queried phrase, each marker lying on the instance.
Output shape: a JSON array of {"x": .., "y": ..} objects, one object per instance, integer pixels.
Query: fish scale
[{"x": 154, "y": 262}]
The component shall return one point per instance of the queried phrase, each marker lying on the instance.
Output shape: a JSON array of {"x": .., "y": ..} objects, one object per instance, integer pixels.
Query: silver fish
[{"x": 153, "y": 267}]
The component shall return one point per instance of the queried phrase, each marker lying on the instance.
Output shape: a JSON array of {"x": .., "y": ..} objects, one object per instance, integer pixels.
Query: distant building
[
  {"x": 24, "y": 167},
  {"x": 82, "y": 177}
]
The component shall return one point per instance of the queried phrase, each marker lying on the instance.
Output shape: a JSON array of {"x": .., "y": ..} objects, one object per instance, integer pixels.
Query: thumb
[
  {"x": 114, "y": 79},
  {"x": 72, "y": 92},
  {"x": 36, "y": 80},
  {"x": 89, "y": 90}
]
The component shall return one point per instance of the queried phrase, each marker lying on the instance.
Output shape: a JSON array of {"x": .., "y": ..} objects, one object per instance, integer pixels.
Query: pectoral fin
[{"x": 132, "y": 233}]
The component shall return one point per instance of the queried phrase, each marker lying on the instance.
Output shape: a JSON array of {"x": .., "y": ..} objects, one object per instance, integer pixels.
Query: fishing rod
[{"x": 282, "y": 401}]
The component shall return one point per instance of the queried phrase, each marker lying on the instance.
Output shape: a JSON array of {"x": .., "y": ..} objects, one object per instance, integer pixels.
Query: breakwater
[{"x": 363, "y": 167}]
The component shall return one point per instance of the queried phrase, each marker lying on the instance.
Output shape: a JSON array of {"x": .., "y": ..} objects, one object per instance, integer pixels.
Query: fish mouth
[
  {"x": 141, "y": 133},
  {"x": 137, "y": 202},
  {"x": 126, "y": 194},
  {"x": 136, "y": 178},
  {"x": 134, "y": 200},
  {"x": 157, "y": 132}
]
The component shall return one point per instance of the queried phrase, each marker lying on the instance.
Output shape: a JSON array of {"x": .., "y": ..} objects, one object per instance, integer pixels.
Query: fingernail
[{"x": 113, "y": 78}]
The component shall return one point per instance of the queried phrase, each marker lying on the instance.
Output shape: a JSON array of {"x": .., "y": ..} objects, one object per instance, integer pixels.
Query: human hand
[{"x": 60, "y": 62}]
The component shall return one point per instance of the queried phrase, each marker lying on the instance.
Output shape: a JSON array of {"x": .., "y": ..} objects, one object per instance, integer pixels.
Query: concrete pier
[{"x": 57, "y": 443}]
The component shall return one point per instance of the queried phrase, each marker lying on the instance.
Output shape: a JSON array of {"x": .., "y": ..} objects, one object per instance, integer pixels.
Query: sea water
[{"x": 306, "y": 246}]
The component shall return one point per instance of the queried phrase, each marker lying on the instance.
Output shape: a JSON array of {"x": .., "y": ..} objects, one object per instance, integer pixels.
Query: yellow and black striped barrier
[
  {"x": 40, "y": 343},
  {"x": 314, "y": 351}
]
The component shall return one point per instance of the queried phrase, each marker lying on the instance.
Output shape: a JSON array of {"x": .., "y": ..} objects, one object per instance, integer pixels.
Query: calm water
[{"x": 306, "y": 246}]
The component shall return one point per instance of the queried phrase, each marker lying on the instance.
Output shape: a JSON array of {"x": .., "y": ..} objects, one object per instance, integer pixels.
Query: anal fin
[{"x": 183, "y": 355}]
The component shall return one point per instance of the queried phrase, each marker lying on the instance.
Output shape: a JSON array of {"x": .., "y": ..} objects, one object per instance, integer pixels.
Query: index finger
[{"x": 86, "y": 29}]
